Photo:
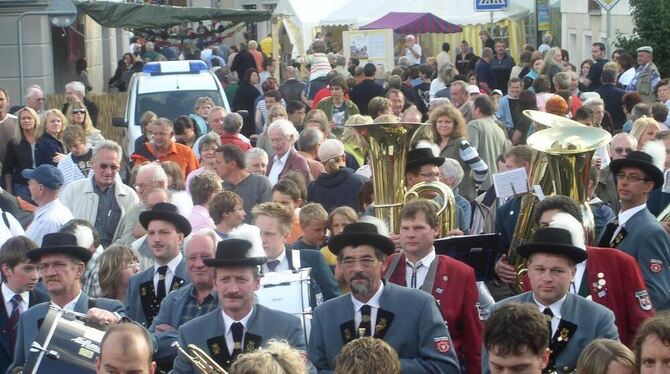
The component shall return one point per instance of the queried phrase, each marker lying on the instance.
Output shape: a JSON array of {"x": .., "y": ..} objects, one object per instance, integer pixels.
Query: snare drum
[
  {"x": 288, "y": 292},
  {"x": 64, "y": 345}
]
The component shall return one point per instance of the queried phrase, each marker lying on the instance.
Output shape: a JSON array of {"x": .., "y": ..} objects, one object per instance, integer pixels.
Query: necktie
[
  {"x": 14, "y": 317},
  {"x": 549, "y": 316},
  {"x": 364, "y": 329},
  {"x": 160, "y": 291},
  {"x": 237, "y": 328},
  {"x": 272, "y": 265},
  {"x": 414, "y": 270}
]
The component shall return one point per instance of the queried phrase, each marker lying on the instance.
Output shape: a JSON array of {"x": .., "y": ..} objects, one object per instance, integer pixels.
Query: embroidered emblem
[
  {"x": 381, "y": 325},
  {"x": 347, "y": 334},
  {"x": 143, "y": 291},
  {"x": 643, "y": 299},
  {"x": 250, "y": 346},
  {"x": 563, "y": 335},
  {"x": 216, "y": 349},
  {"x": 655, "y": 265},
  {"x": 442, "y": 344}
]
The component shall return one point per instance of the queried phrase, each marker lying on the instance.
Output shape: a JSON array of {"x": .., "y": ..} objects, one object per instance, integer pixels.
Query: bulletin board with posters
[{"x": 374, "y": 46}]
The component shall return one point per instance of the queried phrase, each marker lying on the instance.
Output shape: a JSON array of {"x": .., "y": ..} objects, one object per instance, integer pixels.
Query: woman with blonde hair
[
  {"x": 354, "y": 144},
  {"x": 275, "y": 357},
  {"x": 553, "y": 61},
  {"x": 644, "y": 130},
  {"x": 201, "y": 111},
  {"x": 77, "y": 114},
  {"x": 49, "y": 148},
  {"x": 449, "y": 134},
  {"x": 604, "y": 356},
  {"x": 117, "y": 264},
  {"x": 21, "y": 153}
]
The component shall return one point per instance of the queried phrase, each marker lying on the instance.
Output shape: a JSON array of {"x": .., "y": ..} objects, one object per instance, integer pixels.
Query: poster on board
[{"x": 374, "y": 46}]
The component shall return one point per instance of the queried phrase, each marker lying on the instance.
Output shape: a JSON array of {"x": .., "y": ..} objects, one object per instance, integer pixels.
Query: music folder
[{"x": 478, "y": 251}]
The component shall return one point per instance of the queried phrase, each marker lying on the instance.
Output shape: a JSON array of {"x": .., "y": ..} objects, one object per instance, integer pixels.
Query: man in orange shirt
[{"x": 162, "y": 148}]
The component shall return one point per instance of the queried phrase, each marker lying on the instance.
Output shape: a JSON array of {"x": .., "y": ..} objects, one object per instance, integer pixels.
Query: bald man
[{"x": 126, "y": 348}]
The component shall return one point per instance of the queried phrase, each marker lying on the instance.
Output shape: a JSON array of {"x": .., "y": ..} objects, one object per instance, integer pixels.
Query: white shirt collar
[
  {"x": 172, "y": 265},
  {"x": 625, "y": 215},
  {"x": 228, "y": 322},
  {"x": 70, "y": 306},
  {"x": 283, "y": 158},
  {"x": 426, "y": 261},
  {"x": 8, "y": 294},
  {"x": 374, "y": 300},
  {"x": 555, "y": 307},
  {"x": 47, "y": 206}
]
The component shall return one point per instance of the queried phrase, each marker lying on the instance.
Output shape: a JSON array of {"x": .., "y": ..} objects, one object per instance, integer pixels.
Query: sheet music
[{"x": 510, "y": 183}]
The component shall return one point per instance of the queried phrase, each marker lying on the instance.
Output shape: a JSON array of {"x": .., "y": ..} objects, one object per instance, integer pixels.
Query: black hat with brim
[
  {"x": 422, "y": 156},
  {"x": 60, "y": 243},
  {"x": 361, "y": 233},
  {"x": 640, "y": 160},
  {"x": 233, "y": 253},
  {"x": 166, "y": 212},
  {"x": 555, "y": 241}
]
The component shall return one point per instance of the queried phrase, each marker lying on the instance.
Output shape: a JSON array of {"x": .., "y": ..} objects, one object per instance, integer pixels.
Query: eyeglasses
[
  {"x": 366, "y": 262},
  {"x": 79, "y": 111},
  {"x": 429, "y": 175},
  {"x": 620, "y": 150},
  {"x": 109, "y": 166},
  {"x": 631, "y": 177}
]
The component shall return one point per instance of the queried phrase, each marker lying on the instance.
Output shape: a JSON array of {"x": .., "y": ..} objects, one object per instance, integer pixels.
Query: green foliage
[{"x": 652, "y": 27}]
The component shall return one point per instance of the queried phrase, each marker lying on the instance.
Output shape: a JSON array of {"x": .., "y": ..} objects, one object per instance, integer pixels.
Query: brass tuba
[
  {"x": 569, "y": 153},
  {"x": 389, "y": 143},
  {"x": 201, "y": 360},
  {"x": 525, "y": 226}
]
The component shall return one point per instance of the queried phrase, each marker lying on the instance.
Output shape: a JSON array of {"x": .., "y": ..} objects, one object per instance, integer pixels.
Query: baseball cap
[
  {"x": 330, "y": 149},
  {"x": 47, "y": 175},
  {"x": 473, "y": 89}
]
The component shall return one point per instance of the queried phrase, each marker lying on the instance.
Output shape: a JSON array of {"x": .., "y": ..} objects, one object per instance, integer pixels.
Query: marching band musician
[
  {"x": 188, "y": 302},
  {"x": 238, "y": 325},
  {"x": 574, "y": 321},
  {"x": 451, "y": 282},
  {"x": 274, "y": 221},
  {"x": 507, "y": 214},
  {"x": 19, "y": 278},
  {"x": 126, "y": 348},
  {"x": 610, "y": 277},
  {"x": 406, "y": 319},
  {"x": 61, "y": 263},
  {"x": 166, "y": 229},
  {"x": 635, "y": 230}
]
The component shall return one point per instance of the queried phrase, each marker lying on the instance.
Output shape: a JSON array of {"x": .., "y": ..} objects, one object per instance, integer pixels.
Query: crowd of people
[{"x": 175, "y": 251}]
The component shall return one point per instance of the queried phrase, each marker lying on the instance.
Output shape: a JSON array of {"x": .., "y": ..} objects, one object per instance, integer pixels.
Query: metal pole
[
  {"x": 609, "y": 29},
  {"x": 20, "y": 35}
]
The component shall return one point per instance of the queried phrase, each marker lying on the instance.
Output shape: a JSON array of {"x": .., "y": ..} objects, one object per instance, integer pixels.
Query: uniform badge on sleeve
[
  {"x": 643, "y": 299},
  {"x": 655, "y": 265},
  {"x": 442, "y": 344}
]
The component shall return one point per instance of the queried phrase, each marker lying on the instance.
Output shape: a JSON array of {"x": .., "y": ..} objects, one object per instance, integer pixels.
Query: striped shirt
[{"x": 470, "y": 156}]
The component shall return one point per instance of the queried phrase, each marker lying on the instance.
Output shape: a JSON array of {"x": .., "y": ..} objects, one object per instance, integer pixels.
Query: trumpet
[{"x": 201, "y": 360}]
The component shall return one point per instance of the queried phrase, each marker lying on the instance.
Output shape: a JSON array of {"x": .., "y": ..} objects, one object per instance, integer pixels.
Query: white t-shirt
[
  {"x": 412, "y": 59},
  {"x": 14, "y": 229}
]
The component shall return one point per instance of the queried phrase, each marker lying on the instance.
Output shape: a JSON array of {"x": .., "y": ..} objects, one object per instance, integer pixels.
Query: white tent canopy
[
  {"x": 359, "y": 13},
  {"x": 301, "y": 16}
]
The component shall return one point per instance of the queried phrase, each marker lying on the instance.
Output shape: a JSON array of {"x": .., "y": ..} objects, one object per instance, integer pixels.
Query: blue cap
[{"x": 47, "y": 175}]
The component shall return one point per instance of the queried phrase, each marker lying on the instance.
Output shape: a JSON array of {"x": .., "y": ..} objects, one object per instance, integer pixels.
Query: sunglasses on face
[
  {"x": 79, "y": 111},
  {"x": 109, "y": 166}
]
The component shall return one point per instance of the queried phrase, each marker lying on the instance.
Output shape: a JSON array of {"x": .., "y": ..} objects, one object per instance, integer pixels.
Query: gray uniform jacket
[
  {"x": 31, "y": 320},
  {"x": 208, "y": 333},
  {"x": 582, "y": 321},
  {"x": 141, "y": 302},
  {"x": 407, "y": 319},
  {"x": 645, "y": 239}
]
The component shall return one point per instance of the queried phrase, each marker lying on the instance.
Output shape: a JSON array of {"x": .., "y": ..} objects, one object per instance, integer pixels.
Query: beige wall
[{"x": 581, "y": 28}]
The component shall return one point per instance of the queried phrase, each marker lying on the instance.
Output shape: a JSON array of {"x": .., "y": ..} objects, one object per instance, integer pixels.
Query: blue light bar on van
[{"x": 175, "y": 67}]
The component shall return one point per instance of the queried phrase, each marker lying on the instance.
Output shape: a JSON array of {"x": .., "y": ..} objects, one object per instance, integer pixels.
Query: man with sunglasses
[
  {"x": 620, "y": 146},
  {"x": 102, "y": 198},
  {"x": 635, "y": 230}
]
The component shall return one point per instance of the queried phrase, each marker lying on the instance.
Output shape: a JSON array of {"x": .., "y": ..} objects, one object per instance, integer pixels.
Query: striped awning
[{"x": 413, "y": 23}]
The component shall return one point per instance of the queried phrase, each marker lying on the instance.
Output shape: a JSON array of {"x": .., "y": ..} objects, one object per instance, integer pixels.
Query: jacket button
[{"x": 566, "y": 369}]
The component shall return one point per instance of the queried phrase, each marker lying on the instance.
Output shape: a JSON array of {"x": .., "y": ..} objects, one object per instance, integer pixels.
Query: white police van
[{"x": 169, "y": 89}]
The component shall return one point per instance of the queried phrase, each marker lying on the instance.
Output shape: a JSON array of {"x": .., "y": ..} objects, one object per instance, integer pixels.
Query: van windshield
[{"x": 172, "y": 104}]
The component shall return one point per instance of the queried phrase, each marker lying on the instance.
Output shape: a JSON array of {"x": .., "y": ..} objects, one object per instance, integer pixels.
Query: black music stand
[{"x": 478, "y": 251}]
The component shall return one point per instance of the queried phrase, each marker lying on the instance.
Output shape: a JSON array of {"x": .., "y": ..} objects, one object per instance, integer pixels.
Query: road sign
[
  {"x": 491, "y": 5},
  {"x": 607, "y": 4}
]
